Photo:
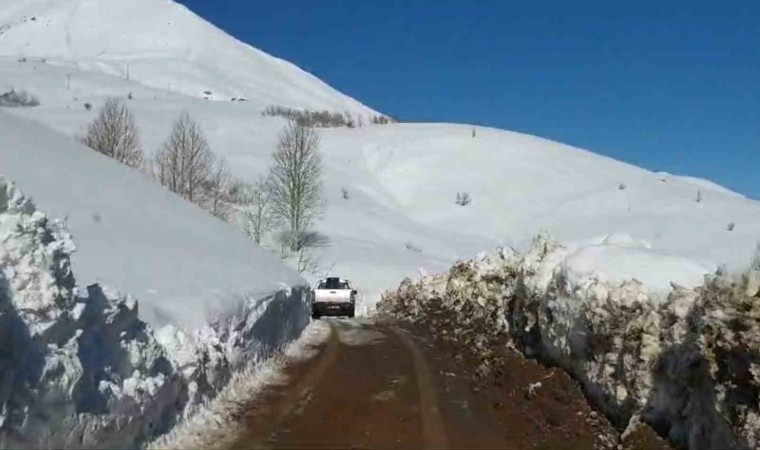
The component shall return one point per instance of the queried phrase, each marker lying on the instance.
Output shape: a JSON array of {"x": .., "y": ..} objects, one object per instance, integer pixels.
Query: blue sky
[{"x": 667, "y": 85}]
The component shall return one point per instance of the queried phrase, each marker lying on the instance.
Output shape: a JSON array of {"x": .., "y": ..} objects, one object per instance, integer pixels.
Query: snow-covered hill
[
  {"x": 205, "y": 288},
  {"x": 401, "y": 178},
  {"x": 162, "y": 44},
  {"x": 186, "y": 267}
]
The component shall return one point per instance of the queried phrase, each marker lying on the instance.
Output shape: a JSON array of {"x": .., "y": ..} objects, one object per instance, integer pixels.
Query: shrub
[
  {"x": 755, "y": 262},
  {"x": 88, "y": 106},
  {"x": 731, "y": 226},
  {"x": 312, "y": 119},
  {"x": 463, "y": 199},
  {"x": 14, "y": 99},
  {"x": 410, "y": 246},
  {"x": 237, "y": 191},
  {"x": 381, "y": 120},
  {"x": 622, "y": 186},
  {"x": 344, "y": 193}
]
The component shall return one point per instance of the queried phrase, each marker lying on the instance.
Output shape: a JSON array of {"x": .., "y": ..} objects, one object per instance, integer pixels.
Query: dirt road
[{"x": 376, "y": 385}]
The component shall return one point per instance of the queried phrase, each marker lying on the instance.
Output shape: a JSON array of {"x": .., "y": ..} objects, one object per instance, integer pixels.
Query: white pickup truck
[{"x": 333, "y": 297}]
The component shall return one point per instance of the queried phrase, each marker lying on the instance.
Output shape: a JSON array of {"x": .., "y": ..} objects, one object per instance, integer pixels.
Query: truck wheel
[
  {"x": 314, "y": 315},
  {"x": 350, "y": 313}
]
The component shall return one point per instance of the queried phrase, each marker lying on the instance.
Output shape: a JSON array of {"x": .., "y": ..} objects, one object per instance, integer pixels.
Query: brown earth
[{"x": 382, "y": 385}]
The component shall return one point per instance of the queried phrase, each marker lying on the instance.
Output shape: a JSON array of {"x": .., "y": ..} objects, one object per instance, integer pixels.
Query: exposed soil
[{"x": 381, "y": 385}]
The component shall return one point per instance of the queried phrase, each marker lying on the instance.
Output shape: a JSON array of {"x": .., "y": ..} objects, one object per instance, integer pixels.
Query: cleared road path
[{"x": 375, "y": 385}]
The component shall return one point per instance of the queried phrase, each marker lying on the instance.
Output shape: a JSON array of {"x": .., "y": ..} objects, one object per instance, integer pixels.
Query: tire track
[
  {"x": 433, "y": 429},
  {"x": 279, "y": 411}
]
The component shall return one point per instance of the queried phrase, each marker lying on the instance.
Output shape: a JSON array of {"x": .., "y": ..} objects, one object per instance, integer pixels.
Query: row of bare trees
[
  {"x": 289, "y": 198},
  {"x": 324, "y": 119},
  {"x": 184, "y": 164}
]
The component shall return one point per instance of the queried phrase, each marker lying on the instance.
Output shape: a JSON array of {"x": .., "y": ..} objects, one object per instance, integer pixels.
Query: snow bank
[
  {"x": 187, "y": 267},
  {"x": 81, "y": 369},
  {"x": 618, "y": 257},
  {"x": 688, "y": 364},
  {"x": 217, "y": 424}
]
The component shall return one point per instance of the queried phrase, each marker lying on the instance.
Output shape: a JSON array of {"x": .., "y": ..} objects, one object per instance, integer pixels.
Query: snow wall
[
  {"x": 78, "y": 368},
  {"x": 687, "y": 362}
]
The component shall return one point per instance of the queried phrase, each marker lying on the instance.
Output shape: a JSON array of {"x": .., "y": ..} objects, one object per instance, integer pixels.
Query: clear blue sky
[{"x": 667, "y": 85}]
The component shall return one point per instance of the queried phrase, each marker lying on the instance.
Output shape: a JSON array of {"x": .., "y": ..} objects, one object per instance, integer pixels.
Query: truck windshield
[{"x": 333, "y": 284}]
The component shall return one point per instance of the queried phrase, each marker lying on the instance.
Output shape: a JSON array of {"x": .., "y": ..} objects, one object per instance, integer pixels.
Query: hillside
[
  {"x": 160, "y": 44},
  {"x": 136, "y": 236},
  {"x": 401, "y": 178}
]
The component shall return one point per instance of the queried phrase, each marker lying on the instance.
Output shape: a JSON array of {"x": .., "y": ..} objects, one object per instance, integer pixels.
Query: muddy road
[{"x": 380, "y": 385}]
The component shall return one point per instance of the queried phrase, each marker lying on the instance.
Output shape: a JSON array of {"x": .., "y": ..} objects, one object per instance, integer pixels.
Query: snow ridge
[
  {"x": 688, "y": 364},
  {"x": 82, "y": 369}
]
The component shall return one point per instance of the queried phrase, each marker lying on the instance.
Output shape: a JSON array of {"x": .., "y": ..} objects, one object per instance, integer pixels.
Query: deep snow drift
[
  {"x": 687, "y": 362},
  {"x": 186, "y": 267},
  {"x": 81, "y": 369}
]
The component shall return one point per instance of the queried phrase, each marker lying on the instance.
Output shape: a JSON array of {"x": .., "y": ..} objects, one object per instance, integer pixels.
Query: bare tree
[
  {"x": 185, "y": 162},
  {"x": 257, "y": 215},
  {"x": 113, "y": 133},
  {"x": 307, "y": 262},
  {"x": 216, "y": 187},
  {"x": 755, "y": 262},
  {"x": 463, "y": 198},
  {"x": 295, "y": 180}
]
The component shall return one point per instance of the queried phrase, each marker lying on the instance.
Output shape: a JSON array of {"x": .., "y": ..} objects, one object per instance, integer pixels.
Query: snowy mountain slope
[
  {"x": 701, "y": 183},
  {"x": 402, "y": 180},
  {"x": 185, "y": 266},
  {"x": 520, "y": 184},
  {"x": 162, "y": 44}
]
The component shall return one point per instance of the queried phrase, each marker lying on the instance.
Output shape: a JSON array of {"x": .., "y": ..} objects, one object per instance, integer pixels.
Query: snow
[
  {"x": 401, "y": 178},
  {"x": 162, "y": 44},
  {"x": 186, "y": 267},
  {"x": 707, "y": 185},
  {"x": 211, "y": 295},
  {"x": 215, "y": 426},
  {"x": 80, "y": 367},
  {"x": 619, "y": 257},
  {"x": 685, "y": 362}
]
